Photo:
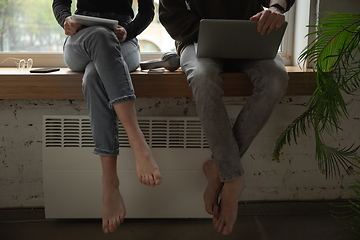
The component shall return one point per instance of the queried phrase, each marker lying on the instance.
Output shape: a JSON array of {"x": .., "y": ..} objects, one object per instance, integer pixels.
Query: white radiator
[{"x": 72, "y": 173}]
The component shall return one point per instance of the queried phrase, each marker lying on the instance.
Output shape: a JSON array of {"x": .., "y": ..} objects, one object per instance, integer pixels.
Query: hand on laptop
[
  {"x": 269, "y": 20},
  {"x": 71, "y": 27}
]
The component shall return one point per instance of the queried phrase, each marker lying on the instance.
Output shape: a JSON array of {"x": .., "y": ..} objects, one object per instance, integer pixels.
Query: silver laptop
[{"x": 237, "y": 39}]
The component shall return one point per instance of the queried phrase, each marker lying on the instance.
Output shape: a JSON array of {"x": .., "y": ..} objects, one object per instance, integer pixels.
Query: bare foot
[
  {"x": 146, "y": 168},
  {"x": 113, "y": 206},
  {"x": 224, "y": 221},
  {"x": 213, "y": 187}
]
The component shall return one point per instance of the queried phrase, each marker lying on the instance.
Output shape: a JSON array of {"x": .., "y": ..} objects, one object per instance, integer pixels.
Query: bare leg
[
  {"x": 146, "y": 168},
  {"x": 213, "y": 187},
  {"x": 113, "y": 204},
  {"x": 225, "y": 219}
]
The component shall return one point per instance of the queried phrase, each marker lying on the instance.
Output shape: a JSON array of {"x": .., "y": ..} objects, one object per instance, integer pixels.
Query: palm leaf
[
  {"x": 333, "y": 53},
  {"x": 334, "y": 36},
  {"x": 299, "y": 125},
  {"x": 331, "y": 160}
]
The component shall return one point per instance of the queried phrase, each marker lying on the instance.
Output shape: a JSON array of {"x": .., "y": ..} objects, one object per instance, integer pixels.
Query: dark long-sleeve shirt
[
  {"x": 181, "y": 18},
  {"x": 62, "y": 9}
]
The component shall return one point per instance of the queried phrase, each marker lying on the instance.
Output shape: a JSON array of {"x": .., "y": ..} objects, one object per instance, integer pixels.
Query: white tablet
[{"x": 95, "y": 21}]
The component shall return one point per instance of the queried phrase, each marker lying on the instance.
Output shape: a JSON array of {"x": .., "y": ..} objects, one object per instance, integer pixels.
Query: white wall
[
  {"x": 296, "y": 177},
  {"x": 343, "y": 6}
]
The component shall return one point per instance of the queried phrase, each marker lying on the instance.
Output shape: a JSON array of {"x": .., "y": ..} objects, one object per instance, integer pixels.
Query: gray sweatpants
[{"x": 228, "y": 144}]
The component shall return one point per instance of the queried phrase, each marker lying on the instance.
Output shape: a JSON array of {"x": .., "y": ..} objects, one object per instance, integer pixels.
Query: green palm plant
[
  {"x": 335, "y": 59},
  {"x": 335, "y": 56}
]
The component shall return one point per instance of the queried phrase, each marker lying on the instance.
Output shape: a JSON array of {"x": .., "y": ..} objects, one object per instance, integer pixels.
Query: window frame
[{"x": 291, "y": 44}]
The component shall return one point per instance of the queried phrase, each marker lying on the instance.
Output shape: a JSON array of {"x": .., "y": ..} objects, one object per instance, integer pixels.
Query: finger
[
  {"x": 118, "y": 34},
  {"x": 70, "y": 21},
  {"x": 271, "y": 22},
  {"x": 256, "y": 17},
  {"x": 70, "y": 27},
  {"x": 123, "y": 35},
  {"x": 267, "y": 22},
  {"x": 280, "y": 23},
  {"x": 276, "y": 23},
  {"x": 77, "y": 25},
  {"x": 69, "y": 32},
  {"x": 271, "y": 28},
  {"x": 262, "y": 20}
]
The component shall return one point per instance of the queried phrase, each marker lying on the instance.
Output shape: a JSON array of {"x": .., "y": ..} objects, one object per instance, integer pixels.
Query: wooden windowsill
[{"x": 66, "y": 84}]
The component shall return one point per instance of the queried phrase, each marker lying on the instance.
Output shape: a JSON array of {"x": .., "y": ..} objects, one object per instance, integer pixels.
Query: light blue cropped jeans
[
  {"x": 228, "y": 144},
  {"x": 106, "y": 64}
]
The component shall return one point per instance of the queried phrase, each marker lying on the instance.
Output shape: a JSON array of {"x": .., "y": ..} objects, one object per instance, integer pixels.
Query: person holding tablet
[
  {"x": 106, "y": 56},
  {"x": 224, "y": 171}
]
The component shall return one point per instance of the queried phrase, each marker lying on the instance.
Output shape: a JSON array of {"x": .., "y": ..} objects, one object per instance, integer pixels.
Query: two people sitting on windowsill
[{"x": 106, "y": 56}]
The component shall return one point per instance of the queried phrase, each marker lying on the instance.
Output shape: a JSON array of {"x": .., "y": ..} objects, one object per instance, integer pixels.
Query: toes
[
  {"x": 151, "y": 181},
  {"x": 140, "y": 177},
  {"x": 215, "y": 209},
  {"x": 143, "y": 179},
  {"x": 209, "y": 209},
  {"x": 214, "y": 220},
  {"x": 211, "y": 202},
  {"x": 147, "y": 180},
  {"x": 106, "y": 226},
  {"x": 220, "y": 225},
  {"x": 158, "y": 181},
  {"x": 157, "y": 178},
  {"x": 118, "y": 222},
  {"x": 121, "y": 219},
  {"x": 111, "y": 227},
  {"x": 115, "y": 224},
  {"x": 227, "y": 230}
]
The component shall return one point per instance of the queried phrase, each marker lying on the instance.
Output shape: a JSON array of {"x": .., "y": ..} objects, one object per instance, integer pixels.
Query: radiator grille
[{"x": 160, "y": 132}]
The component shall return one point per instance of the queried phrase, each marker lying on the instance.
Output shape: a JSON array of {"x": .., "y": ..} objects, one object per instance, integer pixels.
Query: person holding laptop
[
  {"x": 224, "y": 172},
  {"x": 106, "y": 56}
]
